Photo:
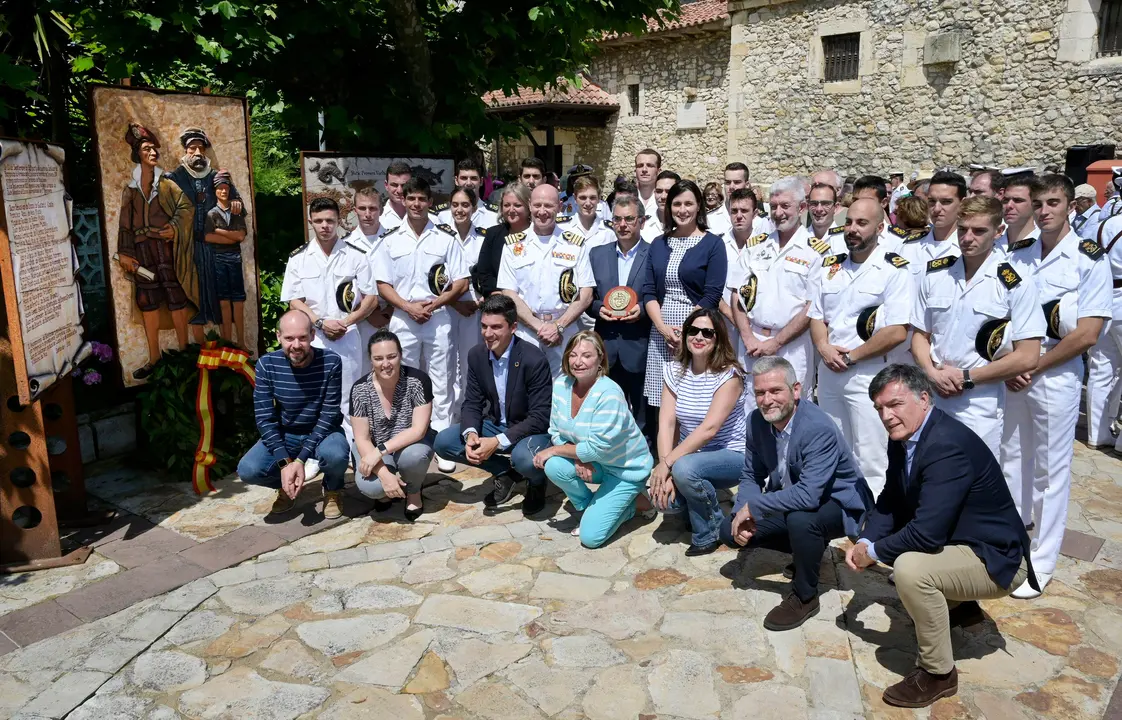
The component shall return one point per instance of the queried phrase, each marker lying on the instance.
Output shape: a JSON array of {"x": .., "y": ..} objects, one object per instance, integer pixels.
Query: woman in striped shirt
[
  {"x": 595, "y": 439},
  {"x": 701, "y": 429}
]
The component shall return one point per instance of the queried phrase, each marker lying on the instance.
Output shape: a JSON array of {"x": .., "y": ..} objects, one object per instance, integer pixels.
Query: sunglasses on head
[{"x": 707, "y": 333}]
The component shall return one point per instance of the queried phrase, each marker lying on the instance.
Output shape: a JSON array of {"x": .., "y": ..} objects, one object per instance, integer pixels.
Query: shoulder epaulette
[
  {"x": 834, "y": 259},
  {"x": 515, "y": 238},
  {"x": 819, "y": 246},
  {"x": 299, "y": 250},
  {"x": 573, "y": 238},
  {"x": 941, "y": 263},
  {"x": 1091, "y": 249},
  {"x": 387, "y": 232},
  {"x": 898, "y": 231},
  {"x": 756, "y": 239},
  {"x": 442, "y": 206},
  {"x": 491, "y": 206},
  {"x": 914, "y": 235},
  {"x": 481, "y": 230},
  {"x": 560, "y": 218},
  {"x": 836, "y": 230},
  {"x": 356, "y": 247},
  {"x": 760, "y": 213},
  {"x": 1022, "y": 244},
  {"x": 608, "y": 224},
  {"x": 1008, "y": 276},
  {"x": 895, "y": 260},
  {"x": 446, "y": 228}
]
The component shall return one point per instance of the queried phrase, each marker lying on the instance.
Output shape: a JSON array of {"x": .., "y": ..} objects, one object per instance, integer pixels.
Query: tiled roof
[
  {"x": 692, "y": 15},
  {"x": 589, "y": 93}
]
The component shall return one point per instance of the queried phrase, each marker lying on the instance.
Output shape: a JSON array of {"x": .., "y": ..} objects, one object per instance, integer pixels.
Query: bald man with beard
[{"x": 545, "y": 270}]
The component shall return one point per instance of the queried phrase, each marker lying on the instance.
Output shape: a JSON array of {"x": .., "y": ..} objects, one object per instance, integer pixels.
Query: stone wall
[
  {"x": 664, "y": 72},
  {"x": 1007, "y": 101}
]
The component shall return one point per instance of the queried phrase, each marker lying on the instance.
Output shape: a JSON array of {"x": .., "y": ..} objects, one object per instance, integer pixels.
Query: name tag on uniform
[
  {"x": 797, "y": 261},
  {"x": 567, "y": 257}
]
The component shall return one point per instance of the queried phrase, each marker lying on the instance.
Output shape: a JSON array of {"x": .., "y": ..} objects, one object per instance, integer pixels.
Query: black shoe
[
  {"x": 382, "y": 505},
  {"x": 534, "y": 501},
  {"x": 501, "y": 489},
  {"x": 789, "y": 571},
  {"x": 412, "y": 515},
  {"x": 695, "y": 550},
  {"x": 966, "y": 614},
  {"x": 143, "y": 372}
]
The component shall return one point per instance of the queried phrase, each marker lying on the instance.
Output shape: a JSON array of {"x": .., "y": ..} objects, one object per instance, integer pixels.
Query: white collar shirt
[
  {"x": 785, "y": 277},
  {"x": 536, "y": 268},
  {"x": 483, "y": 217},
  {"x": 847, "y": 288},
  {"x": 599, "y": 234},
  {"x": 325, "y": 281},
  {"x": 410, "y": 262},
  {"x": 920, "y": 252}
]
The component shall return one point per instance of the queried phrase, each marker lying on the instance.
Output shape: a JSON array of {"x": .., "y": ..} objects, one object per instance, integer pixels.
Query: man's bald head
[
  {"x": 863, "y": 223},
  {"x": 296, "y": 321},
  {"x": 295, "y": 333},
  {"x": 544, "y": 204}
]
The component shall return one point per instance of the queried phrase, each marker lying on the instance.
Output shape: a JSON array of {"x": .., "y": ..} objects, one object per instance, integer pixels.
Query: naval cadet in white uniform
[
  {"x": 859, "y": 312},
  {"x": 1074, "y": 288},
  {"x": 944, "y": 196},
  {"x": 977, "y": 323},
  {"x": 368, "y": 234},
  {"x": 584, "y": 218},
  {"x": 547, "y": 273},
  {"x": 465, "y": 316},
  {"x": 779, "y": 273},
  {"x": 420, "y": 268},
  {"x": 1104, "y": 416},
  {"x": 330, "y": 281},
  {"x": 469, "y": 175}
]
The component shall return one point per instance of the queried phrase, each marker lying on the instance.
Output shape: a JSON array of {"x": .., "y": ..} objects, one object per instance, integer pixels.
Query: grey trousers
[{"x": 410, "y": 463}]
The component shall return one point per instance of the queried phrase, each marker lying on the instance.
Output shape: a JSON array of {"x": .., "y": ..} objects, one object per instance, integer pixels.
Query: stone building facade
[{"x": 1000, "y": 82}]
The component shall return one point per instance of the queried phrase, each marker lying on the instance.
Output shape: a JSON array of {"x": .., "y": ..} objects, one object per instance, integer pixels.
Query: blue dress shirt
[{"x": 624, "y": 261}]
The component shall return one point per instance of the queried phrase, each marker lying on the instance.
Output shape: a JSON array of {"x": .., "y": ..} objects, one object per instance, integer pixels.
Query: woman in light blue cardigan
[{"x": 595, "y": 439}]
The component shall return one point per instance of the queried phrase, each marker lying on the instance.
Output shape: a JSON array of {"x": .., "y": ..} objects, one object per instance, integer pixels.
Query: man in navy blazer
[
  {"x": 945, "y": 522},
  {"x": 504, "y": 420},
  {"x": 800, "y": 487},
  {"x": 626, "y": 338}
]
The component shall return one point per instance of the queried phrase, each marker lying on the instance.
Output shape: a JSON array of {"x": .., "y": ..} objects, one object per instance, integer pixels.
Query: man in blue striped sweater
[{"x": 296, "y": 404}]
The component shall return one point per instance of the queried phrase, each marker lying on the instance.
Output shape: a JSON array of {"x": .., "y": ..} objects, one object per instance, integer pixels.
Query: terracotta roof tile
[
  {"x": 692, "y": 14},
  {"x": 563, "y": 93}
]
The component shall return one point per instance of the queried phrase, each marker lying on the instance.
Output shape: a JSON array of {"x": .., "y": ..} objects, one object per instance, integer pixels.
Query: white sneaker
[
  {"x": 445, "y": 466},
  {"x": 1025, "y": 591},
  {"x": 311, "y": 468}
]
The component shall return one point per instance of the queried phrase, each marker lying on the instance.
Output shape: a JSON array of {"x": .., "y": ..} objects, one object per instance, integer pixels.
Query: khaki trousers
[{"x": 926, "y": 582}]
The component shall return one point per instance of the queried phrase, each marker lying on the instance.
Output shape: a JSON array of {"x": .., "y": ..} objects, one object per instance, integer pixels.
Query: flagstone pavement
[{"x": 494, "y": 617}]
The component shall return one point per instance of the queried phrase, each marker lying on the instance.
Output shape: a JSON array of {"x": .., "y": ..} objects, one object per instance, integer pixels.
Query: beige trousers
[{"x": 926, "y": 582}]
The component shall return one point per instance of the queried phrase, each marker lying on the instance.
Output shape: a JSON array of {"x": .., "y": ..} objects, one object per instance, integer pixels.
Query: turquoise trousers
[{"x": 610, "y": 506}]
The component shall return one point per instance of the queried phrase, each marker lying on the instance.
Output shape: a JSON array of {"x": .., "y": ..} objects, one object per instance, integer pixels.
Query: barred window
[
  {"x": 1110, "y": 28},
  {"x": 633, "y": 99},
  {"x": 842, "y": 55}
]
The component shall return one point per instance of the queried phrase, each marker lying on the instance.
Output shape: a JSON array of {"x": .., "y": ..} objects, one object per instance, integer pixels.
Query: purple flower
[
  {"x": 92, "y": 377},
  {"x": 101, "y": 351}
]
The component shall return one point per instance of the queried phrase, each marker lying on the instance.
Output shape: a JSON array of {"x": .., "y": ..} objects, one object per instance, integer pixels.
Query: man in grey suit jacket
[
  {"x": 614, "y": 264},
  {"x": 800, "y": 487}
]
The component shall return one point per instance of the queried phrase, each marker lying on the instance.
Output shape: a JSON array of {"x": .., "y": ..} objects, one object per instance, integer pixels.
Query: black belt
[{"x": 1117, "y": 284}]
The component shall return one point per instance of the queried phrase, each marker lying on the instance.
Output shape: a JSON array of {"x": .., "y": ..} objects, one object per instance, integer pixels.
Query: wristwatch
[
  {"x": 967, "y": 383},
  {"x": 560, "y": 328},
  {"x": 848, "y": 360},
  {"x": 288, "y": 461},
  {"x": 318, "y": 324},
  {"x": 381, "y": 448}
]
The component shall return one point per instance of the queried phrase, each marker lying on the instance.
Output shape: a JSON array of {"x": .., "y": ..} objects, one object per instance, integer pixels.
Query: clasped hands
[
  {"x": 478, "y": 449},
  {"x": 292, "y": 478},
  {"x": 548, "y": 333},
  {"x": 631, "y": 316},
  {"x": 857, "y": 557},
  {"x": 948, "y": 381},
  {"x": 661, "y": 486},
  {"x": 421, "y": 312}
]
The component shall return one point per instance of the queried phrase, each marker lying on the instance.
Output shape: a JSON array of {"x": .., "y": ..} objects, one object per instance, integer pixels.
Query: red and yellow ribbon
[{"x": 212, "y": 357}]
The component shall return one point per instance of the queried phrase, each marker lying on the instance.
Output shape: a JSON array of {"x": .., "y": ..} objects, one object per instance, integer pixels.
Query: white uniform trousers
[
  {"x": 1103, "y": 388},
  {"x": 465, "y": 335},
  {"x": 350, "y": 349},
  {"x": 844, "y": 397},
  {"x": 797, "y": 352},
  {"x": 980, "y": 410},
  {"x": 1036, "y": 451},
  {"x": 428, "y": 347},
  {"x": 552, "y": 352}
]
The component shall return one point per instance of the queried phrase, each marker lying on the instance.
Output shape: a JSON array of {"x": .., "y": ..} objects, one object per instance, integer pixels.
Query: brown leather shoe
[
  {"x": 791, "y": 613},
  {"x": 921, "y": 688},
  {"x": 332, "y": 504},
  {"x": 282, "y": 503}
]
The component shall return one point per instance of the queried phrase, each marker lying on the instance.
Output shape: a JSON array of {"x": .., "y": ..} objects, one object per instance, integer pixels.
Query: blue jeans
[
  {"x": 259, "y": 467},
  {"x": 697, "y": 477},
  {"x": 450, "y": 445}
]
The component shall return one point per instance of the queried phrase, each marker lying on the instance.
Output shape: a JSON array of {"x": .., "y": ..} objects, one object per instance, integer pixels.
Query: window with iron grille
[
  {"x": 842, "y": 56},
  {"x": 1110, "y": 27},
  {"x": 633, "y": 99}
]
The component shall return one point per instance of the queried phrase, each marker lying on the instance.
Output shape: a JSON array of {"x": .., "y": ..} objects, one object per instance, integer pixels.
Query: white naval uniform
[
  {"x": 485, "y": 216},
  {"x": 651, "y": 229},
  {"x": 370, "y": 244},
  {"x": 390, "y": 220},
  {"x": 569, "y": 207},
  {"x": 1105, "y": 359},
  {"x": 952, "y": 311},
  {"x": 600, "y": 233},
  {"x": 406, "y": 262},
  {"x": 1037, "y": 444},
  {"x": 720, "y": 223},
  {"x": 919, "y": 252},
  {"x": 533, "y": 266},
  {"x": 322, "y": 281},
  {"x": 785, "y": 281},
  {"x": 844, "y": 290},
  {"x": 650, "y": 206},
  {"x": 1085, "y": 224},
  {"x": 1002, "y": 243},
  {"x": 466, "y": 333},
  {"x": 1112, "y": 207}
]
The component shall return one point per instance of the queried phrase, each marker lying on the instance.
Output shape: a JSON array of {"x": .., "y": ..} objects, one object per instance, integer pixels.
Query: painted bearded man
[
  {"x": 195, "y": 177},
  {"x": 155, "y": 245}
]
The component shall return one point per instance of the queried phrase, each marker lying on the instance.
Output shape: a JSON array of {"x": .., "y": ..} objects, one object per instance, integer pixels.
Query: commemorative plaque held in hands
[{"x": 621, "y": 300}]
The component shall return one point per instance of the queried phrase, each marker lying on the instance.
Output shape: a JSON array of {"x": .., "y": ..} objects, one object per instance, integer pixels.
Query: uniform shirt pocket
[{"x": 939, "y": 306}]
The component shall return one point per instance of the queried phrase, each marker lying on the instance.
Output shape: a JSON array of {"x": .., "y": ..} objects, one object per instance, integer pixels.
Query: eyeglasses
[
  {"x": 629, "y": 220},
  {"x": 821, "y": 203},
  {"x": 707, "y": 333}
]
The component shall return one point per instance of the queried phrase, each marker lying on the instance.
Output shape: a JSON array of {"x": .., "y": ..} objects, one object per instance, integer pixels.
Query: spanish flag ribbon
[{"x": 212, "y": 357}]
